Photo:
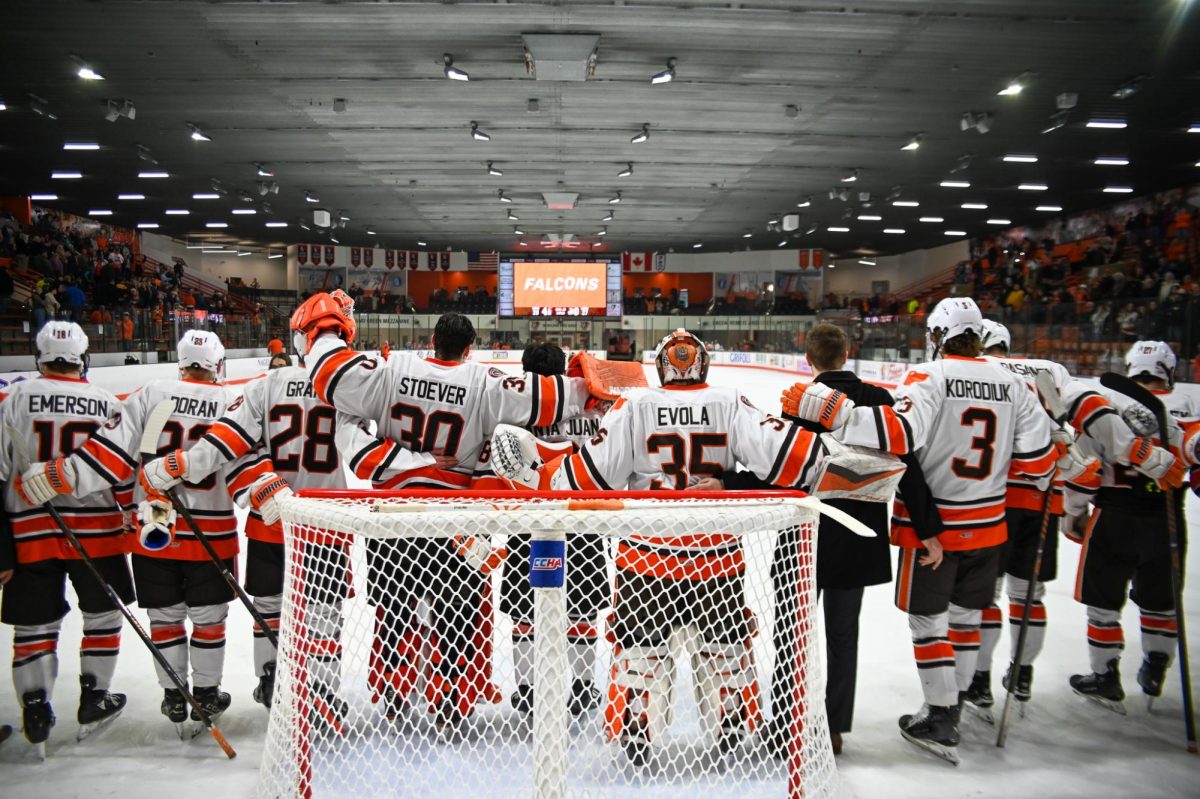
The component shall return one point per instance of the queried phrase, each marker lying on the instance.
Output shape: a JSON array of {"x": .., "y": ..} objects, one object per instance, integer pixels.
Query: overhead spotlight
[
  {"x": 43, "y": 197},
  {"x": 522, "y": 243},
  {"x": 914, "y": 143},
  {"x": 245, "y": 197},
  {"x": 806, "y": 202},
  {"x": 491, "y": 170},
  {"x": 1129, "y": 88},
  {"x": 638, "y": 138},
  {"x": 608, "y": 217},
  {"x": 452, "y": 72},
  {"x": 503, "y": 197},
  {"x": 1016, "y": 85},
  {"x": 1107, "y": 124},
  {"x": 309, "y": 197},
  {"x": 421, "y": 244},
  {"x": 697, "y": 245},
  {"x": 518, "y": 231},
  {"x": 626, "y": 172},
  {"x": 334, "y": 240},
  {"x": 866, "y": 262},
  {"x": 615, "y": 200},
  {"x": 905, "y": 203},
  {"x": 477, "y": 134},
  {"x": 849, "y": 177},
  {"x": 197, "y": 134},
  {"x": 602, "y": 232},
  {"x": 667, "y": 75},
  {"x": 3, "y": 106},
  {"x": 811, "y": 229},
  {"x": 512, "y": 216},
  {"x": 747, "y": 234},
  {"x": 263, "y": 171},
  {"x": 339, "y": 105},
  {"x": 955, "y": 184},
  {"x": 1057, "y": 120},
  {"x": 87, "y": 73},
  {"x": 780, "y": 244}
]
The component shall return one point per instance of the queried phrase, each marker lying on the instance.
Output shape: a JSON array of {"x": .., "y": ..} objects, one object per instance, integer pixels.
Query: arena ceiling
[{"x": 725, "y": 153}]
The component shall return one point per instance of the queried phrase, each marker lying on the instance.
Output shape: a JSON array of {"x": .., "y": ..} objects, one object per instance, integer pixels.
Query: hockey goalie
[{"x": 668, "y": 438}]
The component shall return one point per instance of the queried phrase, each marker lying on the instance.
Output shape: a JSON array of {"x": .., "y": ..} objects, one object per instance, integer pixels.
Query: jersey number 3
[{"x": 984, "y": 444}]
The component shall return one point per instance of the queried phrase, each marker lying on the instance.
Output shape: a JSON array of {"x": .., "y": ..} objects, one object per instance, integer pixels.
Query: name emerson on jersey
[{"x": 67, "y": 404}]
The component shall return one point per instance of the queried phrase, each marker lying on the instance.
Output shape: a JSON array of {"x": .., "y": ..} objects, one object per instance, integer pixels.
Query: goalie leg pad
[
  {"x": 639, "y": 693},
  {"x": 726, "y": 686},
  {"x": 847, "y": 472}
]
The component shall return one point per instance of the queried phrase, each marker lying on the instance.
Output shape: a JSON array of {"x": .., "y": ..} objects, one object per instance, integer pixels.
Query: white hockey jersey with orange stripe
[
  {"x": 971, "y": 424},
  {"x": 578, "y": 430},
  {"x": 662, "y": 438},
  {"x": 56, "y": 415},
  {"x": 428, "y": 405},
  {"x": 109, "y": 458}
]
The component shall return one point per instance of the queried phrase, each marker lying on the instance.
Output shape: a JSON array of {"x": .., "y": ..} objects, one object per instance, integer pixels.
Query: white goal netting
[{"x": 437, "y": 644}]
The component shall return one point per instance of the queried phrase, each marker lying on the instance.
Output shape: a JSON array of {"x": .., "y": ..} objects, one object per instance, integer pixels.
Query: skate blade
[
  {"x": 984, "y": 714},
  {"x": 87, "y": 730},
  {"x": 1107, "y": 704},
  {"x": 39, "y": 752},
  {"x": 947, "y": 753}
]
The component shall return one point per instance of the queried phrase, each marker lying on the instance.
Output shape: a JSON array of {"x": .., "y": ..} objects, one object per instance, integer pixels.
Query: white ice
[{"x": 1064, "y": 747}]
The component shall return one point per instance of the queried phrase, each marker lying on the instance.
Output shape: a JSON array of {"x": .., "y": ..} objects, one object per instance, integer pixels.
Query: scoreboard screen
[{"x": 559, "y": 288}]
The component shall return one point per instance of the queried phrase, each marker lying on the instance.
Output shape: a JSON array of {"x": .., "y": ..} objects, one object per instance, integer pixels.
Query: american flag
[{"x": 483, "y": 261}]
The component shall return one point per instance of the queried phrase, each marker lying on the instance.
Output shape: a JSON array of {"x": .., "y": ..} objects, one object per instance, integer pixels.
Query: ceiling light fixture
[
  {"x": 131, "y": 196},
  {"x": 865, "y": 262},
  {"x": 1129, "y": 88},
  {"x": 747, "y": 234},
  {"x": 1118, "y": 189},
  {"x": 421, "y": 244},
  {"x": 206, "y": 195},
  {"x": 99, "y": 212},
  {"x": 626, "y": 172},
  {"x": 452, "y": 72},
  {"x": 522, "y": 243},
  {"x": 955, "y": 184},
  {"x": 216, "y": 225},
  {"x": 81, "y": 145},
  {"x": 638, "y": 138},
  {"x": 615, "y": 200},
  {"x": 849, "y": 177},
  {"x": 1033, "y": 187},
  {"x": 147, "y": 225},
  {"x": 44, "y": 197},
  {"x": 999, "y": 221},
  {"x": 896, "y": 231},
  {"x": 272, "y": 256},
  {"x": 602, "y": 232},
  {"x": 87, "y": 73},
  {"x": 934, "y": 219},
  {"x": 1049, "y": 208},
  {"x": 697, "y": 245},
  {"x": 807, "y": 201},
  {"x": 66, "y": 175},
  {"x": 503, "y": 198},
  {"x": 914, "y": 143},
  {"x": 477, "y": 134},
  {"x": 243, "y": 254},
  {"x": 177, "y": 212},
  {"x": 262, "y": 170},
  {"x": 153, "y": 175},
  {"x": 1194, "y": 129},
  {"x": 975, "y": 206},
  {"x": 1016, "y": 85},
  {"x": 277, "y": 224},
  {"x": 608, "y": 217},
  {"x": 309, "y": 197},
  {"x": 869, "y": 218},
  {"x": 1113, "y": 161},
  {"x": 491, "y": 170},
  {"x": 517, "y": 230},
  {"x": 954, "y": 232},
  {"x": 1021, "y": 159},
  {"x": 905, "y": 203},
  {"x": 512, "y": 216},
  {"x": 197, "y": 134},
  {"x": 1057, "y": 120},
  {"x": 666, "y": 76},
  {"x": 838, "y": 229},
  {"x": 3, "y": 106},
  {"x": 244, "y": 211},
  {"x": 1106, "y": 124}
]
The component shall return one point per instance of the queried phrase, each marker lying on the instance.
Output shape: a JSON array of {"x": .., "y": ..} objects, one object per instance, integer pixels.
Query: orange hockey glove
[
  {"x": 814, "y": 402},
  {"x": 42, "y": 482}
]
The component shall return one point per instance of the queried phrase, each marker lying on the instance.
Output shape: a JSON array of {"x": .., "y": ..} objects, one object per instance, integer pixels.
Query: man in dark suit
[{"x": 846, "y": 562}]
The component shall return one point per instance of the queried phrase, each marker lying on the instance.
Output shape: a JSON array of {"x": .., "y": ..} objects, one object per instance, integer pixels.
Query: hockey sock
[
  {"x": 168, "y": 634},
  {"x": 35, "y": 657},
  {"x": 989, "y": 630},
  {"x": 1105, "y": 637},
  {"x": 208, "y": 644},
  {"x": 264, "y": 650},
  {"x": 1036, "y": 636},
  {"x": 522, "y": 638},
  {"x": 100, "y": 645},
  {"x": 964, "y": 638},
  {"x": 935, "y": 658},
  {"x": 581, "y": 640},
  {"x": 1159, "y": 633}
]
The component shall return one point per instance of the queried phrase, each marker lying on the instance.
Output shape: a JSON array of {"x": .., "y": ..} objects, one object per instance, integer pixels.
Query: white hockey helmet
[
  {"x": 681, "y": 358},
  {"x": 951, "y": 317},
  {"x": 995, "y": 335},
  {"x": 202, "y": 349},
  {"x": 1155, "y": 358},
  {"x": 62, "y": 342}
]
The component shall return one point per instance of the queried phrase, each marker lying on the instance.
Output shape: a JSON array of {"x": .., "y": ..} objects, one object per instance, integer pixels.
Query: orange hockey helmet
[
  {"x": 322, "y": 313},
  {"x": 681, "y": 359}
]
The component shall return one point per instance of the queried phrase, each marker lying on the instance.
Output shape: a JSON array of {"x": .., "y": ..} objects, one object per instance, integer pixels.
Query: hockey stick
[
  {"x": 1048, "y": 391},
  {"x": 151, "y": 432},
  {"x": 21, "y": 462},
  {"x": 1142, "y": 395}
]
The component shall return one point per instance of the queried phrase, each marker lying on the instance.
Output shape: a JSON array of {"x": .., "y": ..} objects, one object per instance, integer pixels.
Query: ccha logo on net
[{"x": 547, "y": 564}]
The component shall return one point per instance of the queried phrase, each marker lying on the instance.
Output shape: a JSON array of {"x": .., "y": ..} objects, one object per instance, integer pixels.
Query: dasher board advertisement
[{"x": 559, "y": 288}]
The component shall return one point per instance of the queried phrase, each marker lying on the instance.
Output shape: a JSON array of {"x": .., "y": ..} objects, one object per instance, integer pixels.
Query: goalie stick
[
  {"x": 1048, "y": 392},
  {"x": 151, "y": 432},
  {"x": 1143, "y": 396},
  {"x": 21, "y": 462}
]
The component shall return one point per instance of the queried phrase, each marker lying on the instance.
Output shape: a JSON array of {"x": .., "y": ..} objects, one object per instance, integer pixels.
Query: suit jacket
[{"x": 845, "y": 559}]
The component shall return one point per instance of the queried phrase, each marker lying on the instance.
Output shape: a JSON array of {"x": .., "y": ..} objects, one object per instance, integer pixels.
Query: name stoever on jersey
[
  {"x": 60, "y": 413},
  {"x": 109, "y": 457}
]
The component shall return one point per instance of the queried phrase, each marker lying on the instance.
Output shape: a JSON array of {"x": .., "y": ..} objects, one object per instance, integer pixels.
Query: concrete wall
[
  {"x": 850, "y": 277},
  {"x": 271, "y": 273}
]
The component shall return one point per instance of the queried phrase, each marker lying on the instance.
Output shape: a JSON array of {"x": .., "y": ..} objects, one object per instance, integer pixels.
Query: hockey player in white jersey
[
  {"x": 55, "y": 413},
  {"x": 1126, "y": 538},
  {"x": 445, "y": 407},
  {"x": 971, "y": 424},
  {"x": 174, "y": 576},
  {"x": 666, "y": 438}
]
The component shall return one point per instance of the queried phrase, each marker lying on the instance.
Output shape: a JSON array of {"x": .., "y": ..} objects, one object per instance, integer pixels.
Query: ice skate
[
  {"x": 934, "y": 729},
  {"x": 522, "y": 700},
  {"x": 265, "y": 690},
  {"x": 174, "y": 707},
  {"x": 38, "y": 720},
  {"x": 584, "y": 697},
  {"x": 977, "y": 700},
  {"x": 214, "y": 701},
  {"x": 1022, "y": 691},
  {"x": 635, "y": 741},
  {"x": 1103, "y": 689},
  {"x": 97, "y": 708},
  {"x": 6, "y": 732},
  {"x": 1152, "y": 674}
]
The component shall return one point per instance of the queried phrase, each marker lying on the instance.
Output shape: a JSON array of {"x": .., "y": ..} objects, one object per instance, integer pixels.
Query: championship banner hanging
[
  {"x": 302, "y": 253},
  {"x": 389, "y": 258},
  {"x": 330, "y": 256},
  {"x": 445, "y": 261},
  {"x": 355, "y": 256},
  {"x": 431, "y": 260},
  {"x": 413, "y": 259},
  {"x": 368, "y": 257}
]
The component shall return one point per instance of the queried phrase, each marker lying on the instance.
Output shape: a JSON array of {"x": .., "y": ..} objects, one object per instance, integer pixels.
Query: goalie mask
[
  {"x": 951, "y": 317},
  {"x": 995, "y": 335},
  {"x": 62, "y": 342},
  {"x": 202, "y": 349},
  {"x": 1154, "y": 358},
  {"x": 681, "y": 359}
]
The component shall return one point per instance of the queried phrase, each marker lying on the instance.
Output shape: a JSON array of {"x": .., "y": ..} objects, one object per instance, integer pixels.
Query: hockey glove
[
  {"x": 164, "y": 473},
  {"x": 1073, "y": 465},
  {"x": 524, "y": 461},
  {"x": 1157, "y": 463},
  {"x": 265, "y": 493},
  {"x": 42, "y": 482},
  {"x": 814, "y": 402},
  {"x": 156, "y": 523},
  {"x": 479, "y": 553},
  {"x": 1073, "y": 527}
]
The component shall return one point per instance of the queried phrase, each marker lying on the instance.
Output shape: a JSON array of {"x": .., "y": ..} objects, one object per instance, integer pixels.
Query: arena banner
[{"x": 302, "y": 253}]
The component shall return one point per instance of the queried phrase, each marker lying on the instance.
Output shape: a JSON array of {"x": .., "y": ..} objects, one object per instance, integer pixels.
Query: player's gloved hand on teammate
[
  {"x": 156, "y": 522},
  {"x": 265, "y": 493},
  {"x": 1167, "y": 469},
  {"x": 815, "y": 402},
  {"x": 164, "y": 473},
  {"x": 1073, "y": 465},
  {"x": 478, "y": 552},
  {"x": 43, "y": 481},
  {"x": 1073, "y": 526},
  {"x": 518, "y": 457}
]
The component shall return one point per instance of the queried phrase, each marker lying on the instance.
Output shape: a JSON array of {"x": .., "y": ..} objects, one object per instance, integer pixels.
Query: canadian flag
[{"x": 637, "y": 261}]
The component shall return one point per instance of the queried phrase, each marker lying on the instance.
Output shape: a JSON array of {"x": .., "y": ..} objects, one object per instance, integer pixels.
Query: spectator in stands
[
  {"x": 1127, "y": 322},
  {"x": 6, "y": 287},
  {"x": 101, "y": 316},
  {"x": 75, "y": 301},
  {"x": 125, "y": 329}
]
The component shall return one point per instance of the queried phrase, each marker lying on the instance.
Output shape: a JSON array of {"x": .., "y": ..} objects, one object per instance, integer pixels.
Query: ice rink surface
[{"x": 1063, "y": 747}]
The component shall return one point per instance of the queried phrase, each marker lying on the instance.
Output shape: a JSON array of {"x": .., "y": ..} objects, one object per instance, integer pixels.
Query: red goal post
[{"x": 378, "y": 577}]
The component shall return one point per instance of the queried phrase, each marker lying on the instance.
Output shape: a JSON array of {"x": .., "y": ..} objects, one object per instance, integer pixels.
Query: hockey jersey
[
  {"x": 110, "y": 457},
  {"x": 56, "y": 415},
  {"x": 428, "y": 405},
  {"x": 578, "y": 430},
  {"x": 972, "y": 424},
  {"x": 661, "y": 438}
]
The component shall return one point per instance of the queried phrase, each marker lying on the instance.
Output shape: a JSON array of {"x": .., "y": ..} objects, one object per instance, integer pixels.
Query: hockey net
[{"x": 410, "y": 620}]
